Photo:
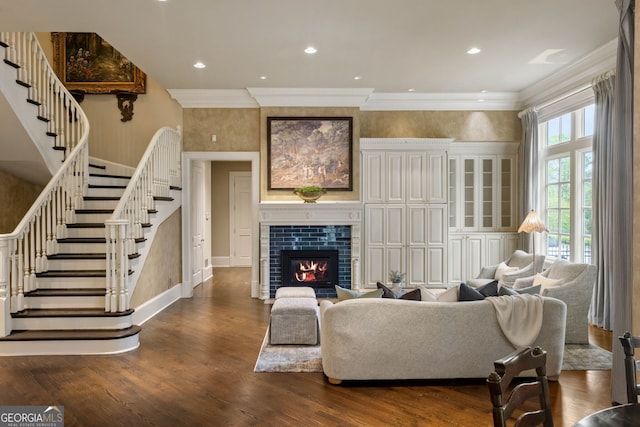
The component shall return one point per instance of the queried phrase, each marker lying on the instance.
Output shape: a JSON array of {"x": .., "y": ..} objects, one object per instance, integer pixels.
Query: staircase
[{"x": 66, "y": 272}]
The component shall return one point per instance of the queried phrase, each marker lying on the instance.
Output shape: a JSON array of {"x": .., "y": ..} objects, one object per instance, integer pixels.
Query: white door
[
  {"x": 197, "y": 222},
  {"x": 240, "y": 219}
]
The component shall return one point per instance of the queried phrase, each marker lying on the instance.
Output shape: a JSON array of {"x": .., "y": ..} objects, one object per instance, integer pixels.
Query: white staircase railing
[
  {"x": 23, "y": 253},
  {"x": 157, "y": 173}
]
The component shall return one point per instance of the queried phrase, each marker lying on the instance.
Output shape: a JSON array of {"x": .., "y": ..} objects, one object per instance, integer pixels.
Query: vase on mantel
[{"x": 309, "y": 194}]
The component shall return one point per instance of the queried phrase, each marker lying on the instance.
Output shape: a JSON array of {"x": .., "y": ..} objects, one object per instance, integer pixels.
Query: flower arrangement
[
  {"x": 396, "y": 276},
  {"x": 309, "y": 193}
]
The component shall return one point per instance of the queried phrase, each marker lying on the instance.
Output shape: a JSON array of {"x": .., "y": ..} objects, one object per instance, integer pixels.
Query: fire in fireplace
[{"x": 314, "y": 268}]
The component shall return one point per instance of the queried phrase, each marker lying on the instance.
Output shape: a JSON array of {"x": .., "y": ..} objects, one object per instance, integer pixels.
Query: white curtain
[
  {"x": 529, "y": 165},
  {"x": 623, "y": 195},
  {"x": 604, "y": 210}
]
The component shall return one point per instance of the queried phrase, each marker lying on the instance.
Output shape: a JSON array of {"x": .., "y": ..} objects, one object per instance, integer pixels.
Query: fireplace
[{"x": 314, "y": 268}]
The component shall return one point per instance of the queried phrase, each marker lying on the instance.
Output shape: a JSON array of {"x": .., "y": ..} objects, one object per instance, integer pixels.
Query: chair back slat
[
  {"x": 506, "y": 369},
  {"x": 629, "y": 344}
]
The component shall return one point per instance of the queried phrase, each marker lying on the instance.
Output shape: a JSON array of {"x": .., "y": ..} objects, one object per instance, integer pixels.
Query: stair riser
[
  {"x": 82, "y": 248},
  {"x": 69, "y": 347},
  {"x": 76, "y": 264},
  {"x": 106, "y": 192},
  {"x": 99, "y": 204},
  {"x": 92, "y": 217},
  {"x": 71, "y": 323},
  {"x": 85, "y": 232},
  {"x": 64, "y": 302},
  {"x": 71, "y": 282},
  {"x": 102, "y": 180}
]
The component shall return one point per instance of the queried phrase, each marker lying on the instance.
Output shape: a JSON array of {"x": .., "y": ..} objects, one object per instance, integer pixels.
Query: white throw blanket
[{"x": 520, "y": 317}]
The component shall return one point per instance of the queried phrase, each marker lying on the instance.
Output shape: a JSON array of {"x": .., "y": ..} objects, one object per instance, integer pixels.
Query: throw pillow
[
  {"x": 427, "y": 295},
  {"x": 450, "y": 295},
  {"x": 345, "y": 294},
  {"x": 390, "y": 293},
  {"x": 545, "y": 282},
  {"x": 502, "y": 269},
  {"x": 489, "y": 290},
  {"x": 504, "y": 291},
  {"x": 510, "y": 291},
  {"x": 468, "y": 293}
]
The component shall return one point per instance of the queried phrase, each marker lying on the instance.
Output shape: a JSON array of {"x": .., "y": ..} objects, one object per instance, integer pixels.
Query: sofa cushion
[
  {"x": 565, "y": 270},
  {"x": 520, "y": 259},
  {"x": 345, "y": 294},
  {"x": 545, "y": 282}
]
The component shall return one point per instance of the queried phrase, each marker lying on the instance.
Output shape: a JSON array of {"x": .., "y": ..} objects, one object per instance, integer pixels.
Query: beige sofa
[{"x": 387, "y": 339}]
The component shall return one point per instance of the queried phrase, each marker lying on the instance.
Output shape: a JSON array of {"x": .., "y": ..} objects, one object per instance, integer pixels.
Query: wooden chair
[
  {"x": 523, "y": 359},
  {"x": 629, "y": 344}
]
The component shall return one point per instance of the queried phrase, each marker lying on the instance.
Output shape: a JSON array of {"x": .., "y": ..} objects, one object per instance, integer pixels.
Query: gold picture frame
[{"x": 87, "y": 63}]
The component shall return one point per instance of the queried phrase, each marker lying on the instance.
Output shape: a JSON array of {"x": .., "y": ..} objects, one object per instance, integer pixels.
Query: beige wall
[
  {"x": 220, "y": 230},
  {"x": 16, "y": 198},
  {"x": 236, "y": 129},
  {"x": 497, "y": 126},
  {"x": 163, "y": 268},
  {"x": 124, "y": 142}
]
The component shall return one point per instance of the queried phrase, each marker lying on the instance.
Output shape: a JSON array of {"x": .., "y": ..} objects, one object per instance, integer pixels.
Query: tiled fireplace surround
[{"x": 321, "y": 225}]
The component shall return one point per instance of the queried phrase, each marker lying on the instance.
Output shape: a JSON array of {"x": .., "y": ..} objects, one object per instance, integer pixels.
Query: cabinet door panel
[
  {"x": 395, "y": 261},
  {"x": 436, "y": 224},
  {"x": 395, "y": 177},
  {"x": 375, "y": 266},
  {"x": 436, "y": 179},
  {"x": 435, "y": 266},
  {"x": 455, "y": 259},
  {"x": 495, "y": 252},
  {"x": 474, "y": 256},
  {"x": 416, "y": 177},
  {"x": 395, "y": 225},
  {"x": 417, "y": 274},
  {"x": 375, "y": 229},
  {"x": 417, "y": 224},
  {"x": 374, "y": 177}
]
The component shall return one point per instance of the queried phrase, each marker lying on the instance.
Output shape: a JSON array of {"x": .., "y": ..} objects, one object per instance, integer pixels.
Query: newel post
[
  {"x": 117, "y": 293},
  {"x": 5, "y": 295}
]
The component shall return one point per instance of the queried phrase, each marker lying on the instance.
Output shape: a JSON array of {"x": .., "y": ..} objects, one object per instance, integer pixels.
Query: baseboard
[
  {"x": 220, "y": 261},
  {"x": 155, "y": 305}
]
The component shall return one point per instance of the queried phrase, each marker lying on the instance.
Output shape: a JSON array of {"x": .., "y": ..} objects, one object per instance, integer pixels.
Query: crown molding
[
  {"x": 213, "y": 98},
  {"x": 573, "y": 76},
  {"x": 474, "y": 101},
  {"x": 309, "y": 97}
]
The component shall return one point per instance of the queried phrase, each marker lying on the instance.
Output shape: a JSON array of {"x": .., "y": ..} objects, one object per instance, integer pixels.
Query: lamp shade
[{"x": 532, "y": 223}]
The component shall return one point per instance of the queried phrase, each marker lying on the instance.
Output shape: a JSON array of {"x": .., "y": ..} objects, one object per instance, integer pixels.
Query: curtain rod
[{"x": 568, "y": 94}]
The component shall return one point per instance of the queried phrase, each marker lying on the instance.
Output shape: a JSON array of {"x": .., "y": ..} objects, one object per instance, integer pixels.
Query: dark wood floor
[{"x": 195, "y": 368}]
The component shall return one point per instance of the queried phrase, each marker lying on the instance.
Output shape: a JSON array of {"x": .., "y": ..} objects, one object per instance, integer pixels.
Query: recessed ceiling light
[
  {"x": 310, "y": 49},
  {"x": 473, "y": 51},
  {"x": 199, "y": 65},
  {"x": 483, "y": 91},
  {"x": 357, "y": 78},
  {"x": 411, "y": 90},
  {"x": 263, "y": 77},
  {"x": 480, "y": 100}
]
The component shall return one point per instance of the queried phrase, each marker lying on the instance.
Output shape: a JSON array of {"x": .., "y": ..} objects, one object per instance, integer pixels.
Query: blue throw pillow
[
  {"x": 490, "y": 289},
  {"x": 534, "y": 290}
]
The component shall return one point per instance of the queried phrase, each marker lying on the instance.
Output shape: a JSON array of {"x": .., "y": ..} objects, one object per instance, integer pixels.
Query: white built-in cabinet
[
  {"x": 405, "y": 196},
  {"x": 483, "y": 179}
]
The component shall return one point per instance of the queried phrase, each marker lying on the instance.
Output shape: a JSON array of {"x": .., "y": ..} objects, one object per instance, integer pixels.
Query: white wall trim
[
  {"x": 220, "y": 261},
  {"x": 155, "y": 305}
]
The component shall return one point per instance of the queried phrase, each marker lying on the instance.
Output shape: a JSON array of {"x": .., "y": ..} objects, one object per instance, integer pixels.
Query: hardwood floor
[{"x": 195, "y": 368}]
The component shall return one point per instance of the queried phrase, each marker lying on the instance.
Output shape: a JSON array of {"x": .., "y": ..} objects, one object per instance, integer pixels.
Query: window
[{"x": 567, "y": 161}]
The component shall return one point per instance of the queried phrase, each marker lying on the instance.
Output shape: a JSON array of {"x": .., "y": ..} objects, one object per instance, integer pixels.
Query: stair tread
[
  {"x": 74, "y": 334},
  {"x": 86, "y": 225},
  {"x": 107, "y": 186},
  {"x": 72, "y": 273},
  {"x": 83, "y": 240},
  {"x": 69, "y": 312},
  {"x": 96, "y": 255},
  {"x": 104, "y": 175},
  {"x": 67, "y": 292},
  {"x": 101, "y": 198},
  {"x": 94, "y": 211}
]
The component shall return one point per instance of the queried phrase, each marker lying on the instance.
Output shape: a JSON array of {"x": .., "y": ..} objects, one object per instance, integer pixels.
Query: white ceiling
[{"x": 394, "y": 45}]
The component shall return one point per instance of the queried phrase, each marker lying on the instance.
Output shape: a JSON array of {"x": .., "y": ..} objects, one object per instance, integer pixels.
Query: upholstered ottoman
[
  {"x": 295, "y": 292},
  {"x": 294, "y": 321}
]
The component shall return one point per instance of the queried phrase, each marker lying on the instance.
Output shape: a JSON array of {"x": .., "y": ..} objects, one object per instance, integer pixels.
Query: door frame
[{"x": 229, "y": 156}]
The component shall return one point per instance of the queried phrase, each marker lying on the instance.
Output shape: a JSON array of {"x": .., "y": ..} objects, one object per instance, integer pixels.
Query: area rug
[
  {"x": 306, "y": 358},
  {"x": 585, "y": 357},
  {"x": 288, "y": 358}
]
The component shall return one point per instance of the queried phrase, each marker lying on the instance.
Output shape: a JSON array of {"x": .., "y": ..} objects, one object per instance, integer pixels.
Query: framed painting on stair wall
[
  {"x": 85, "y": 62},
  {"x": 304, "y": 151}
]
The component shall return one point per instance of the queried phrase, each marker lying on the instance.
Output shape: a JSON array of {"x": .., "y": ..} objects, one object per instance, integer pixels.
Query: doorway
[{"x": 189, "y": 159}]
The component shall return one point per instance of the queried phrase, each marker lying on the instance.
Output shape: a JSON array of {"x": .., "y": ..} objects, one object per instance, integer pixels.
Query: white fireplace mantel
[{"x": 319, "y": 213}]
